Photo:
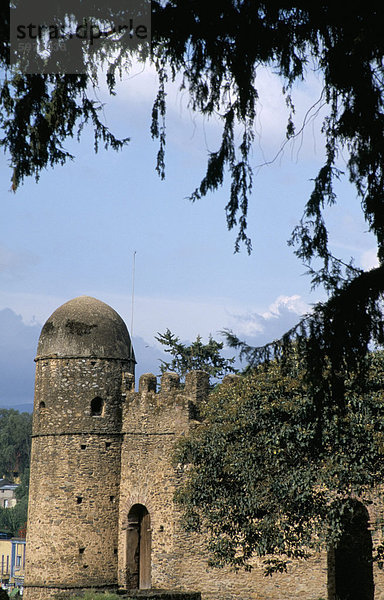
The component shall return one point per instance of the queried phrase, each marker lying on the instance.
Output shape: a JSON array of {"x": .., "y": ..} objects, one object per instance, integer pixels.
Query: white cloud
[
  {"x": 259, "y": 328},
  {"x": 294, "y": 304},
  {"x": 369, "y": 259},
  {"x": 186, "y": 317}
]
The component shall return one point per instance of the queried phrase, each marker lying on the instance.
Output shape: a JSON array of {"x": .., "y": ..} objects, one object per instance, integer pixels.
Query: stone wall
[
  {"x": 75, "y": 475},
  {"x": 64, "y": 390},
  {"x": 152, "y": 423}
]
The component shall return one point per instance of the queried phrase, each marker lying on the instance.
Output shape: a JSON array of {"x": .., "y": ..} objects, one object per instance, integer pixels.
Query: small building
[
  {"x": 12, "y": 562},
  {"x": 7, "y": 493}
]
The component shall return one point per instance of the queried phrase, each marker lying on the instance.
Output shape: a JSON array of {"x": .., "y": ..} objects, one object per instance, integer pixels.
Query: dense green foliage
[
  {"x": 258, "y": 482},
  {"x": 15, "y": 442},
  {"x": 206, "y": 357},
  {"x": 14, "y": 520},
  {"x": 15, "y": 449}
]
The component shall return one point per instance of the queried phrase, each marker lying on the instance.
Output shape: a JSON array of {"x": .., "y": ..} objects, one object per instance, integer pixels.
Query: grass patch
[{"x": 88, "y": 595}]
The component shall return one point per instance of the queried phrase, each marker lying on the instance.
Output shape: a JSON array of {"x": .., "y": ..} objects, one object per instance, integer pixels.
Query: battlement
[
  {"x": 196, "y": 384},
  {"x": 170, "y": 408}
]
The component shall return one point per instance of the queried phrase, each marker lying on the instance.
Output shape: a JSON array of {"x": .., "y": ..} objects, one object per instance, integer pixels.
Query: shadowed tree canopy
[{"x": 257, "y": 482}]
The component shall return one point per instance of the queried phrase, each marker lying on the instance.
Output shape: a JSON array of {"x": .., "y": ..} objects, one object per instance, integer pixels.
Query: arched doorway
[
  {"x": 350, "y": 568},
  {"x": 139, "y": 548}
]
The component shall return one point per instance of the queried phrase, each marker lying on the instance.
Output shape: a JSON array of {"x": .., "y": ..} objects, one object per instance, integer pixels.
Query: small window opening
[
  {"x": 81, "y": 550},
  {"x": 79, "y": 499},
  {"x": 42, "y": 405},
  {"x": 107, "y": 445},
  {"x": 97, "y": 405},
  {"x": 83, "y": 446},
  {"x": 112, "y": 498},
  {"x": 161, "y": 528},
  {"x": 115, "y": 551}
]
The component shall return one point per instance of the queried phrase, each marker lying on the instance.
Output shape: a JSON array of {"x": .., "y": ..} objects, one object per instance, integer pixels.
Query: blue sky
[{"x": 75, "y": 231}]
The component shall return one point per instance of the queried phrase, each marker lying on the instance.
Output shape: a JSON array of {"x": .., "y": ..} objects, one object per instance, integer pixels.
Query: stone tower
[{"x": 83, "y": 352}]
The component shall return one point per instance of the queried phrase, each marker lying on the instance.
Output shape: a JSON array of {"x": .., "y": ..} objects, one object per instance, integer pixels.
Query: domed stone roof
[{"x": 85, "y": 327}]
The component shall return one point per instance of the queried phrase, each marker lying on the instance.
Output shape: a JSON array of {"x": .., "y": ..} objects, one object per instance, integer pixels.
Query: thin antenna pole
[{"x": 133, "y": 290}]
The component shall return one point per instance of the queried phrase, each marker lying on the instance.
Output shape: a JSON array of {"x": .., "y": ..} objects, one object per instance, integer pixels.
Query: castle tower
[{"x": 83, "y": 351}]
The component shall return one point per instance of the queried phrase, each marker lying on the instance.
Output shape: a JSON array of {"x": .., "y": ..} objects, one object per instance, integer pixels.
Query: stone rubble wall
[
  {"x": 152, "y": 424},
  {"x": 75, "y": 476}
]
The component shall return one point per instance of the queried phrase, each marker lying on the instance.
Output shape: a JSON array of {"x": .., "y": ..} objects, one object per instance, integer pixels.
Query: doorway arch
[
  {"x": 350, "y": 566},
  {"x": 138, "y": 559}
]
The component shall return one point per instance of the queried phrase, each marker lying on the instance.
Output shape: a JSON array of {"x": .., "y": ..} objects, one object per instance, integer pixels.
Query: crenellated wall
[{"x": 152, "y": 423}]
